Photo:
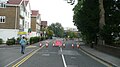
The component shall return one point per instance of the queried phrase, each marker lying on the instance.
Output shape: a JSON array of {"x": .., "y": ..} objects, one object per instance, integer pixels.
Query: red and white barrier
[
  {"x": 78, "y": 46},
  {"x": 40, "y": 45},
  {"x": 53, "y": 44},
  {"x": 46, "y": 45},
  {"x": 64, "y": 45},
  {"x": 72, "y": 45}
]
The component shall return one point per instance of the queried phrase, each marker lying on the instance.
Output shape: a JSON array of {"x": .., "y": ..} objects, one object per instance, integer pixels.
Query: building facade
[
  {"x": 43, "y": 27},
  {"x": 15, "y": 18},
  {"x": 35, "y": 23}
]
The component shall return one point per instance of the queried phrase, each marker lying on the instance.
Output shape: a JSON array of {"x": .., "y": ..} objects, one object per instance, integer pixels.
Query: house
[
  {"x": 27, "y": 22},
  {"x": 35, "y": 23},
  {"x": 15, "y": 18},
  {"x": 43, "y": 24},
  {"x": 43, "y": 27}
]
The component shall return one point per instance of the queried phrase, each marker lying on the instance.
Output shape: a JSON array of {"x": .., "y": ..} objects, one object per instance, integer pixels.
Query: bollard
[
  {"x": 53, "y": 44},
  {"x": 63, "y": 45},
  {"x": 72, "y": 45},
  {"x": 40, "y": 45},
  {"x": 46, "y": 45},
  {"x": 78, "y": 46}
]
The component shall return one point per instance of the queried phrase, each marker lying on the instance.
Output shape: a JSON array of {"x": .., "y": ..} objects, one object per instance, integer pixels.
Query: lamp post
[
  {"x": 70, "y": 1},
  {"x": 55, "y": 31}
]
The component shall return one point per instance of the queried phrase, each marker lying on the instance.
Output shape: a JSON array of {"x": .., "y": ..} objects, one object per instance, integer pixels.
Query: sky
[{"x": 54, "y": 11}]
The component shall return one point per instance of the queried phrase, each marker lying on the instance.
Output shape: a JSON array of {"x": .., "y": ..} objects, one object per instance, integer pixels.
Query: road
[{"x": 36, "y": 56}]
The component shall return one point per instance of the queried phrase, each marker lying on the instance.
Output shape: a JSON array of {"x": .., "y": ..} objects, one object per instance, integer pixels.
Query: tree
[
  {"x": 86, "y": 18},
  {"x": 98, "y": 17},
  {"x": 57, "y": 29},
  {"x": 102, "y": 11},
  {"x": 111, "y": 30},
  {"x": 49, "y": 33},
  {"x": 72, "y": 34}
]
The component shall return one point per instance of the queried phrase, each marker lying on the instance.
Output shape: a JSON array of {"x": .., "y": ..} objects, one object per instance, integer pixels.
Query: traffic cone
[
  {"x": 40, "y": 45},
  {"x": 46, "y": 45},
  {"x": 78, "y": 46},
  {"x": 72, "y": 45},
  {"x": 64, "y": 45},
  {"x": 53, "y": 44}
]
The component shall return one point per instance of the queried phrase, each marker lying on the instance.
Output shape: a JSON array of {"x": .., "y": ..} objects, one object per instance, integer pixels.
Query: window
[
  {"x": 2, "y": 19},
  {"x": 2, "y": 5}
]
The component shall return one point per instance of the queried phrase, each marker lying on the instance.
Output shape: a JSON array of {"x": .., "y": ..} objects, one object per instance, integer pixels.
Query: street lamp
[
  {"x": 55, "y": 31},
  {"x": 70, "y": 1}
]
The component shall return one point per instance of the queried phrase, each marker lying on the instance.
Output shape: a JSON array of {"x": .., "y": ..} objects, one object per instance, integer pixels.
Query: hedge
[
  {"x": 1, "y": 41},
  {"x": 34, "y": 40},
  {"x": 10, "y": 41}
]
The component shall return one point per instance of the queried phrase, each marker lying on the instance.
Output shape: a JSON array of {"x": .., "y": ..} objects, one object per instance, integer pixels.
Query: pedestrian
[{"x": 23, "y": 44}]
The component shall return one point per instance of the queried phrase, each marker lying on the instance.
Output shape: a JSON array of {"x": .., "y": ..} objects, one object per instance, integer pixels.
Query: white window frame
[
  {"x": 2, "y": 19},
  {"x": 2, "y": 5}
]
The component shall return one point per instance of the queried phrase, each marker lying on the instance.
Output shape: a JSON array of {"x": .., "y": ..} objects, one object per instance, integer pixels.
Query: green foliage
[
  {"x": 34, "y": 40},
  {"x": 111, "y": 31},
  {"x": 57, "y": 29},
  {"x": 49, "y": 33},
  {"x": 42, "y": 38},
  {"x": 71, "y": 34},
  {"x": 1, "y": 41},
  {"x": 10, "y": 41},
  {"x": 18, "y": 40},
  {"x": 86, "y": 18},
  {"x": 106, "y": 34}
]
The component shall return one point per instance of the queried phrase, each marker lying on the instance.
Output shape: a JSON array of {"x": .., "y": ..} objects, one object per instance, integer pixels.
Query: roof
[
  {"x": 15, "y": 2},
  {"x": 44, "y": 23},
  {"x": 35, "y": 13}
]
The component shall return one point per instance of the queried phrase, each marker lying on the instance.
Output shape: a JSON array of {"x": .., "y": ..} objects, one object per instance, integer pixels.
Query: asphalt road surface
[{"x": 50, "y": 56}]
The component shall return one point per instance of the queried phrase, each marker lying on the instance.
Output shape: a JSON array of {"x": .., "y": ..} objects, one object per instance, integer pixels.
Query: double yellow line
[{"x": 26, "y": 58}]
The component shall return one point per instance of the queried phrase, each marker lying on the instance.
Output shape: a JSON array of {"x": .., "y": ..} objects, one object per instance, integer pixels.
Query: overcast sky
[{"x": 54, "y": 11}]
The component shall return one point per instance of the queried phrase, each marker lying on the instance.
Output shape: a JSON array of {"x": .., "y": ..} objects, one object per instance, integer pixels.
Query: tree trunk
[{"x": 102, "y": 18}]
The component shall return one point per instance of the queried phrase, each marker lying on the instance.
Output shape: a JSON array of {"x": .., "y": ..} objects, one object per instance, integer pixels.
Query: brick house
[
  {"x": 35, "y": 23},
  {"x": 43, "y": 26},
  {"x": 15, "y": 18}
]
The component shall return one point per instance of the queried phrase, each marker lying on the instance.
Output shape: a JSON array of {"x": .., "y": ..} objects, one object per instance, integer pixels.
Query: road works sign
[{"x": 58, "y": 43}]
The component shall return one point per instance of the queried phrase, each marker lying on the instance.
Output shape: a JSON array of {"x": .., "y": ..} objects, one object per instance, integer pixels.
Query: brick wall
[
  {"x": 115, "y": 51},
  {"x": 33, "y": 24},
  {"x": 10, "y": 13}
]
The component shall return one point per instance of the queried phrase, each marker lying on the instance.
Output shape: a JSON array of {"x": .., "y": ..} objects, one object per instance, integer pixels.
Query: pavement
[{"x": 114, "y": 61}]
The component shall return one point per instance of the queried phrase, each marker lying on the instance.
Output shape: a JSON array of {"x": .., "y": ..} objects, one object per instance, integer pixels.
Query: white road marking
[
  {"x": 73, "y": 57},
  {"x": 31, "y": 46},
  {"x": 63, "y": 58},
  {"x": 45, "y": 54}
]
